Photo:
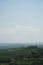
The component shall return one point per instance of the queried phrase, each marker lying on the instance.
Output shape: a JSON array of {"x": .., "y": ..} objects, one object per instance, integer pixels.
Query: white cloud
[
  {"x": 19, "y": 33},
  {"x": 17, "y": 28}
]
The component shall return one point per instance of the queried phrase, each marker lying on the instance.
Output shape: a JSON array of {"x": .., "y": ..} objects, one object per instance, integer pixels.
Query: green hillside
[{"x": 31, "y": 55}]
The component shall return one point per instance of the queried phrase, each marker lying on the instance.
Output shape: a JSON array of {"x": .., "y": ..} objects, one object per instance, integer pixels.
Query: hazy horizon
[{"x": 21, "y": 21}]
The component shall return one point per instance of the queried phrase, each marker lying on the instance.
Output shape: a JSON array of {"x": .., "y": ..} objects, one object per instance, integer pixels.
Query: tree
[
  {"x": 12, "y": 62},
  {"x": 37, "y": 63}
]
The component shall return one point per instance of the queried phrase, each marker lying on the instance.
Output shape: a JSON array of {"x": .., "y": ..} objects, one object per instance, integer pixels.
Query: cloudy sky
[{"x": 21, "y": 21}]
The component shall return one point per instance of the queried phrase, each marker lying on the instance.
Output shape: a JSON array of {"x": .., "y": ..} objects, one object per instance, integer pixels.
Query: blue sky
[{"x": 21, "y": 21}]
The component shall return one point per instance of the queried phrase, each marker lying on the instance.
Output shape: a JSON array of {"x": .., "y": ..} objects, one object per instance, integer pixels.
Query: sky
[{"x": 21, "y": 21}]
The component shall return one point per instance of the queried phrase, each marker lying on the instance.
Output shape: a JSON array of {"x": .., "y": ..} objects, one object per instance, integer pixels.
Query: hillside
[{"x": 22, "y": 56}]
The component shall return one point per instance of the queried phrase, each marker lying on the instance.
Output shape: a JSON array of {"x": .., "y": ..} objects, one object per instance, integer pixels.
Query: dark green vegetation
[{"x": 31, "y": 55}]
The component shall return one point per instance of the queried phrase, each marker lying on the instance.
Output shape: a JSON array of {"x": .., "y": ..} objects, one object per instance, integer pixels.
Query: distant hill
[{"x": 19, "y": 45}]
